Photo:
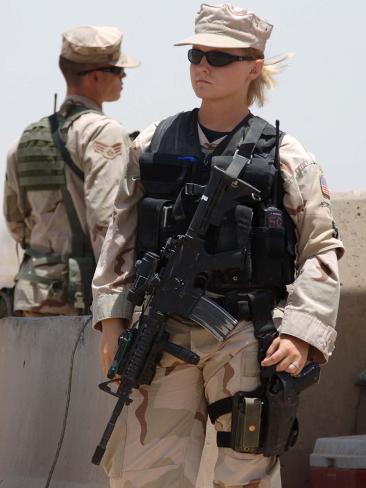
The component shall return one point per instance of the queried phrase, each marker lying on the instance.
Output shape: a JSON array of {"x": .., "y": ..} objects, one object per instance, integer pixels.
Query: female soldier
[{"x": 161, "y": 434}]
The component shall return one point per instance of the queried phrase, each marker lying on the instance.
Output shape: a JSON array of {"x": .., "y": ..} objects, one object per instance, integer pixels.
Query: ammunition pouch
[
  {"x": 273, "y": 245},
  {"x": 246, "y": 410},
  {"x": 156, "y": 215},
  {"x": 170, "y": 198},
  {"x": 233, "y": 235},
  {"x": 164, "y": 175}
]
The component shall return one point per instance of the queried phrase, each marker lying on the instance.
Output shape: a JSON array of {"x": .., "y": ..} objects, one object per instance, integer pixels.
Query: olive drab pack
[
  {"x": 42, "y": 156},
  {"x": 174, "y": 173}
]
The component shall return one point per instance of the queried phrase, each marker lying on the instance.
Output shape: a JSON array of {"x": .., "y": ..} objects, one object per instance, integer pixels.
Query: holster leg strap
[{"x": 246, "y": 420}]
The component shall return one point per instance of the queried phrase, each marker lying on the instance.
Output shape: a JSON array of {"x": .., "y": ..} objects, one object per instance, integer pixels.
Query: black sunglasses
[
  {"x": 116, "y": 70},
  {"x": 215, "y": 58}
]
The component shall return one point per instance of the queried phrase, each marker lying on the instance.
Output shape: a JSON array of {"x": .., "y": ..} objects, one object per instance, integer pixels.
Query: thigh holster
[
  {"x": 264, "y": 420},
  {"x": 246, "y": 410}
]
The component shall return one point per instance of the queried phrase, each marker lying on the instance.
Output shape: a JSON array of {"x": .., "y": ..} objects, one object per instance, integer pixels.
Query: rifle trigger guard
[{"x": 104, "y": 387}]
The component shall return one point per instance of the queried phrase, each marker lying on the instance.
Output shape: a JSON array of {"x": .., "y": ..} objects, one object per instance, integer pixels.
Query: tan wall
[
  {"x": 337, "y": 406},
  {"x": 35, "y": 360}
]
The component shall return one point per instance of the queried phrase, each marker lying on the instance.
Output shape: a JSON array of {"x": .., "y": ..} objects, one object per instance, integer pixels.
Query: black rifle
[{"x": 175, "y": 283}]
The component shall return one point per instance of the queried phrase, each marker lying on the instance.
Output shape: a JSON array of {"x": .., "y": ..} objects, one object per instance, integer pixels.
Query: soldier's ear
[
  {"x": 91, "y": 76},
  {"x": 256, "y": 69}
]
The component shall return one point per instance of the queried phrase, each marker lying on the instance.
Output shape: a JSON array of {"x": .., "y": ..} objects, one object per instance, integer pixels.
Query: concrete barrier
[{"x": 38, "y": 356}]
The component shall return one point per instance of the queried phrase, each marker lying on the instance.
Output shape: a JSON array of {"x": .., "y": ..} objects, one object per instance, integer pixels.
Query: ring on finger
[{"x": 294, "y": 366}]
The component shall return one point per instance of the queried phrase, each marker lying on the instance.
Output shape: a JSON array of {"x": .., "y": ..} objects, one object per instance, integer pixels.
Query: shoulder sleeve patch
[
  {"x": 324, "y": 187},
  {"x": 108, "y": 151}
]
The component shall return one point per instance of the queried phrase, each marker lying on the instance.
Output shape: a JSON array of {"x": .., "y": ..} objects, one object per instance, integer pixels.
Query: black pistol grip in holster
[
  {"x": 281, "y": 426},
  {"x": 282, "y": 400}
]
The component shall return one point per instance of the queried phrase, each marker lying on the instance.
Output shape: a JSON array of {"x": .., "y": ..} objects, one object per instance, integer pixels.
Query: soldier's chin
[{"x": 113, "y": 98}]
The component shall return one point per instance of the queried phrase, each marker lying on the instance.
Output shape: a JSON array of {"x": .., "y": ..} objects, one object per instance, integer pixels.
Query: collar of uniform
[
  {"x": 78, "y": 99},
  {"x": 207, "y": 146}
]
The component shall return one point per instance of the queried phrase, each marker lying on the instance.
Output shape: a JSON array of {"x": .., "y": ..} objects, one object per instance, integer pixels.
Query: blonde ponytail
[{"x": 267, "y": 79}]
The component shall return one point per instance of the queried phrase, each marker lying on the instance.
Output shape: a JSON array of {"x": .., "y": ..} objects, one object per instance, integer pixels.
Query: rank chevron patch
[{"x": 109, "y": 152}]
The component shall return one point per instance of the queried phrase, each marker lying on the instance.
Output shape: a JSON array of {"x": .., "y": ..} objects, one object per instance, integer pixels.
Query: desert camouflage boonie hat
[
  {"x": 227, "y": 26},
  {"x": 96, "y": 45}
]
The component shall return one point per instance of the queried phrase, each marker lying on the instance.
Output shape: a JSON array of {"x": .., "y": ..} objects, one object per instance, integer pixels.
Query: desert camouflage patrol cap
[
  {"x": 92, "y": 45},
  {"x": 227, "y": 26}
]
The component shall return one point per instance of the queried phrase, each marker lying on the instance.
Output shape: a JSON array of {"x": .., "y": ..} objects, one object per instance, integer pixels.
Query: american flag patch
[
  {"x": 324, "y": 187},
  {"x": 109, "y": 152}
]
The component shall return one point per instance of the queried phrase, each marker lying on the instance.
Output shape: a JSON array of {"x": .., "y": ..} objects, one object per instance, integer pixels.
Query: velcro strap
[
  {"x": 223, "y": 439},
  {"x": 221, "y": 407}
]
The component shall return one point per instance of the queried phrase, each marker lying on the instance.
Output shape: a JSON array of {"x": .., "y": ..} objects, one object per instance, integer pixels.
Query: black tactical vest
[{"x": 174, "y": 171}]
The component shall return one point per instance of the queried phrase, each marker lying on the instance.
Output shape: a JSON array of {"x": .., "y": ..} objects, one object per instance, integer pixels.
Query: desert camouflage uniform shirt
[
  {"x": 99, "y": 147},
  {"x": 311, "y": 309}
]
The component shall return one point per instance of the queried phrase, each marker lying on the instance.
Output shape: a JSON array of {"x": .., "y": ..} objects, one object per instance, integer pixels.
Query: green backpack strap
[
  {"x": 60, "y": 144},
  {"x": 79, "y": 241}
]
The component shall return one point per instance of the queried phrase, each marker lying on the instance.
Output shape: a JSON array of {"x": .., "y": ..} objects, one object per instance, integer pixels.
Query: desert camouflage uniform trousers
[{"x": 159, "y": 437}]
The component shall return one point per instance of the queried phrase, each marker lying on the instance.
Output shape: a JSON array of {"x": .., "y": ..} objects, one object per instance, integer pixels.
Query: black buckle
[{"x": 192, "y": 189}]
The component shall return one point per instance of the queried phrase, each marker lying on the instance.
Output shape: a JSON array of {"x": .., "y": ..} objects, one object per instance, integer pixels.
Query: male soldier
[
  {"x": 159, "y": 440},
  {"x": 62, "y": 177}
]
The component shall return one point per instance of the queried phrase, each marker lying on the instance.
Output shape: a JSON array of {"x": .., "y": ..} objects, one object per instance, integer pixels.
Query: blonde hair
[{"x": 267, "y": 79}]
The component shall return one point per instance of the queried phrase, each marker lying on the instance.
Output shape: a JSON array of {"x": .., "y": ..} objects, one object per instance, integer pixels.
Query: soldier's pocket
[
  {"x": 244, "y": 334},
  {"x": 249, "y": 362}
]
